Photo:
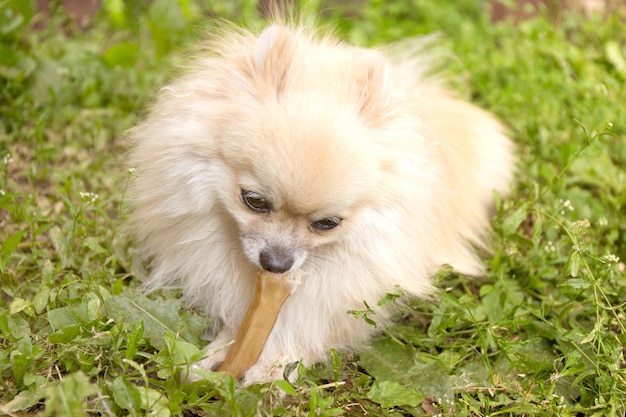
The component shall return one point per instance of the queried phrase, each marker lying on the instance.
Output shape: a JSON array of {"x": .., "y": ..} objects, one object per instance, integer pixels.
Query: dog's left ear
[
  {"x": 372, "y": 85},
  {"x": 272, "y": 57}
]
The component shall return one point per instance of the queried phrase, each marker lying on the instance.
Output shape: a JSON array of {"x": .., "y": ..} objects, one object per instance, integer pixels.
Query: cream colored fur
[{"x": 318, "y": 128}]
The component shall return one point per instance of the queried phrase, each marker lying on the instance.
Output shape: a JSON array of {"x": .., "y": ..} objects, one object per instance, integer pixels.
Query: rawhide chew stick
[{"x": 271, "y": 292}]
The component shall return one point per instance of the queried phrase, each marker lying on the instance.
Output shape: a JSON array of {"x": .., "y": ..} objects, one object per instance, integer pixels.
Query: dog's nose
[{"x": 276, "y": 260}]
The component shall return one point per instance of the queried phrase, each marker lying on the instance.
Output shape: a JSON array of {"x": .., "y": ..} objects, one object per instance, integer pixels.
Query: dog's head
[{"x": 298, "y": 145}]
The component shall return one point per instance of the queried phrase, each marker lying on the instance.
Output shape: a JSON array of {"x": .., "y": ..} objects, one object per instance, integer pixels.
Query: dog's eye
[
  {"x": 326, "y": 224},
  {"x": 255, "y": 201}
]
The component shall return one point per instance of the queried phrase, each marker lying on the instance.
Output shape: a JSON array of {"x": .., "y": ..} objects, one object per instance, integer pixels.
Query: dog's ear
[
  {"x": 272, "y": 56},
  {"x": 372, "y": 86}
]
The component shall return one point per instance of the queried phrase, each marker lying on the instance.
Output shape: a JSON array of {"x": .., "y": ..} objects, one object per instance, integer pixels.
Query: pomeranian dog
[{"x": 290, "y": 151}]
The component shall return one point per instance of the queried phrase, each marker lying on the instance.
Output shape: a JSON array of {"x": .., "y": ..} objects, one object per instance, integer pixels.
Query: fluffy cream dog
[{"x": 291, "y": 150}]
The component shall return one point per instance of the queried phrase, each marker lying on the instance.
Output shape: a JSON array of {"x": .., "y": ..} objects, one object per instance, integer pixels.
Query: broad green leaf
[
  {"x": 154, "y": 401},
  {"x": 595, "y": 333},
  {"x": 11, "y": 243},
  {"x": 66, "y": 322},
  {"x": 15, "y": 15},
  {"x": 92, "y": 244},
  {"x": 124, "y": 54},
  {"x": 40, "y": 300},
  {"x": 512, "y": 221},
  {"x": 23, "y": 401},
  {"x": 391, "y": 394},
  {"x": 185, "y": 352},
  {"x": 13, "y": 327},
  {"x": 65, "y": 335},
  {"x": 472, "y": 373},
  {"x": 66, "y": 397},
  {"x": 534, "y": 355},
  {"x": 133, "y": 339},
  {"x": 159, "y": 316},
  {"x": 576, "y": 283},
  {"x": 176, "y": 353},
  {"x": 125, "y": 394},
  {"x": 574, "y": 264},
  {"x": 19, "y": 304},
  {"x": 387, "y": 360},
  {"x": 286, "y": 387},
  {"x": 75, "y": 314},
  {"x": 21, "y": 358}
]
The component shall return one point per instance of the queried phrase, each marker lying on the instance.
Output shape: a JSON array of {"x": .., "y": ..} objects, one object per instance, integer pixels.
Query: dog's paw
[
  {"x": 210, "y": 363},
  {"x": 216, "y": 353},
  {"x": 261, "y": 373},
  {"x": 270, "y": 370}
]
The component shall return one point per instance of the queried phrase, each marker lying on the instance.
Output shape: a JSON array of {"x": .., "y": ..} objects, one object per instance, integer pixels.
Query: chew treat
[{"x": 271, "y": 292}]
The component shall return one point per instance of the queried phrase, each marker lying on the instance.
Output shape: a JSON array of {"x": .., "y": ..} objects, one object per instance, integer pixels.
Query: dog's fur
[{"x": 309, "y": 129}]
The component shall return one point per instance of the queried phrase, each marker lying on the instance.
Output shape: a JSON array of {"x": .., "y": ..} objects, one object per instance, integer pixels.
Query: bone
[{"x": 271, "y": 292}]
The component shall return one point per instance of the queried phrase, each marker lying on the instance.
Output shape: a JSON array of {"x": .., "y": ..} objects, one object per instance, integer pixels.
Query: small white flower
[
  {"x": 131, "y": 170},
  {"x": 579, "y": 226},
  {"x": 610, "y": 125},
  {"x": 567, "y": 204},
  {"x": 7, "y": 159},
  {"x": 549, "y": 247},
  {"x": 2, "y": 193},
  {"x": 610, "y": 258},
  {"x": 90, "y": 197},
  {"x": 603, "y": 222}
]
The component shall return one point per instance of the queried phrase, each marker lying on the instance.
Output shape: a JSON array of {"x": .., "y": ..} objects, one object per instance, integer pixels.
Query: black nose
[{"x": 277, "y": 260}]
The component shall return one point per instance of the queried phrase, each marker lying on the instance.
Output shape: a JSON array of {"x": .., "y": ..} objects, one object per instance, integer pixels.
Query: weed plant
[{"x": 542, "y": 334}]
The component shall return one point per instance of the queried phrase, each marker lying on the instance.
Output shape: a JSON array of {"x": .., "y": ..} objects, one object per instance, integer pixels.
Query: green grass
[{"x": 542, "y": 334}]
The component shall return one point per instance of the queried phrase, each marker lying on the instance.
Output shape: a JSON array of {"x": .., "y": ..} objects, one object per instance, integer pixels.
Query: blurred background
[{"x": 84, "y": 10}]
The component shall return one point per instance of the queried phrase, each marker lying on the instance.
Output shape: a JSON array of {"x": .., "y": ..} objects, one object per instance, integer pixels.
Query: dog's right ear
[{"x": 271, "y": 58}]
